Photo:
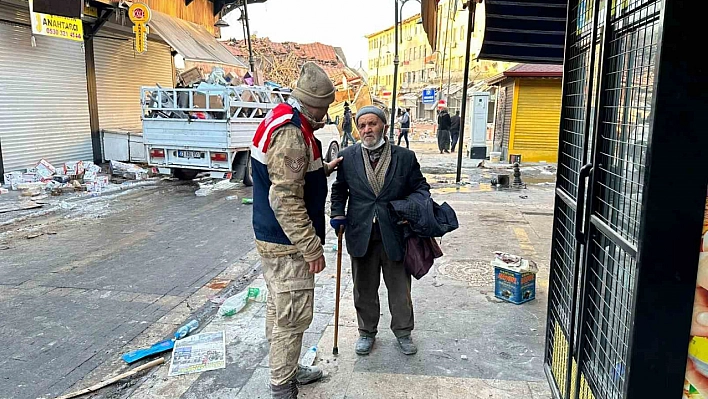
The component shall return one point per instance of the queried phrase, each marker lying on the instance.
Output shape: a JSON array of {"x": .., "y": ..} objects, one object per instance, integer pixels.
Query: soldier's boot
[
  {"x": 286, "y": 391},
  {"x": 307, "y": 375}
]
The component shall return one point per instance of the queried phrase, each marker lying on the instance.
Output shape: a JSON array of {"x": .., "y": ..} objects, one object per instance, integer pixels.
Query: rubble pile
[{"x": 45, "y": 179}]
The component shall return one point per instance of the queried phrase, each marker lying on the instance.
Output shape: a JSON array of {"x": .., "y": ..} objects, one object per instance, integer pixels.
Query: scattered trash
[
  {"x": 4, "y": 191},
  {"x": 45, "y": 170},
  {"x": 218, "y": 284},
  {"x": 61, "y": 178},
  {"x": 23, "y": 206},
  {"x": 514, "y": 278},
  {"x": 232, "y": 198},
  {"x": 4, "y": 247},
  {"x": 128, "y": 171},
  {"x": 308, "y": 359},
  {"x": 186, "y": 329},
  {"x": 162, "y": 346},
  {"x": 239, "y": 301},
  {"x": 198, "y": 353},
  {"x": 334, "y": 247},
  {"x": 463, "y": 357},
  {"x": 224, "y": 185},
  {"x": 203, "y": 192},
  {"x": 523, "y": 196},
  {"x": 247, "y": 201},
  {"x": 113, "y": 380},
  {"x": 34, "y": 235}
]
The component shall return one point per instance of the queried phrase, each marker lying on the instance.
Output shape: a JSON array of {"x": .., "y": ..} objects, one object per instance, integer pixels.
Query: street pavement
[
  {"x": 111, "y": 274},
  {"x": 471, "y": 345},
  {"x": 121, "y": 272}
]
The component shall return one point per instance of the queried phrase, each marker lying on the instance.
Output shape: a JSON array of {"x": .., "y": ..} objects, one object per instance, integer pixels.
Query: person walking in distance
[
  {"x": 347, "y": 126},
  {"x": 405, "y": 121},
  {"x": 372, "y": 174},
  {"x": 455, "y": 129},
  {"x": 444, "y": 123},
  {"x": 289, "y": 192}
]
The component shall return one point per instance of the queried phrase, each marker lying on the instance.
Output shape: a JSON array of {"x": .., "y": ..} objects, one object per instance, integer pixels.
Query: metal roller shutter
[
  {"x": 538, "y": 115},
  {"x": 43, "y": 96},
  {"x": 120, "y": 72}
]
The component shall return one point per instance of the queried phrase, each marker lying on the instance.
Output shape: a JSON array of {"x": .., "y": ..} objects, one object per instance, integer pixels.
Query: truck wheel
[
  {"x": 332, "y": 152},
  {"x": 185, "y": 174},
  {"x": 248, "y": 176}
]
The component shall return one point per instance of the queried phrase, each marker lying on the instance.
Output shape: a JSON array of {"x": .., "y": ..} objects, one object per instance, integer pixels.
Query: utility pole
[
  {"x": 471, "y": 5},
  {"x": 395, "y": 72},
  {"x": 251, "y": 61}
]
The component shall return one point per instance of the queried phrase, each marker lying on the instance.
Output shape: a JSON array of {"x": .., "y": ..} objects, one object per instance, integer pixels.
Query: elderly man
[
  {"x": 290, "y": 191},
  {"x": 372, "y": 174}
]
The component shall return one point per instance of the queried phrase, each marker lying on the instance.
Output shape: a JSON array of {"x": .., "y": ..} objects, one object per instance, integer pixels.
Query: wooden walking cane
[{"x": 335, "y": 350}]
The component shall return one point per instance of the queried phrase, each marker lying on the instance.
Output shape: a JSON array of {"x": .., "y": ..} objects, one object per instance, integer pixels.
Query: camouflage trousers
[{"x": 291, "y": 291}]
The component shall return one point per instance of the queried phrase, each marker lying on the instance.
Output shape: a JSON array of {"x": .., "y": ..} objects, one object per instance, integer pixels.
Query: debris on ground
[
  {"x": 113, "y": 380},
  {"x": 209, "y": 187},
  {"x": 514, "y": 278},
  {"x": 45, "y": 179},
  {"x": 198, "y": 353},
  {"x": 308, "y": 359},
  {"x": 22, "y": 206},
  {"x": 236, "y": 303},
  {"x": 128, "y": 171},
  {"x": 247, "y": 201},
  {"x": 162, "y": 346}
]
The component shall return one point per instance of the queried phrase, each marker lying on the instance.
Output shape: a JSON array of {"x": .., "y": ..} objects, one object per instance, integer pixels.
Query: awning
[
  {"x": 524, "y": 31},
  {"x": 192, "y": 41},
  {"x": 429, "y": 14}
]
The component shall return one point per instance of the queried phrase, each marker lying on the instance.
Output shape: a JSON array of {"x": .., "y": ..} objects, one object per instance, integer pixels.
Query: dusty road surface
[{"x": 83, "y": 284}]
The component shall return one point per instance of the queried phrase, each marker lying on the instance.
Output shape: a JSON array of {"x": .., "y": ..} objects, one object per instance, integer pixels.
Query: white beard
[{"x": 375, "y": 146}]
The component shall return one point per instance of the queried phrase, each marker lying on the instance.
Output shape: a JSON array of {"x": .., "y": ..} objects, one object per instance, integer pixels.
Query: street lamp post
[
  {"x": 396, "y": 60},
  {"x": 471, "y": 5},
  {"x": 251, "y": 61}
]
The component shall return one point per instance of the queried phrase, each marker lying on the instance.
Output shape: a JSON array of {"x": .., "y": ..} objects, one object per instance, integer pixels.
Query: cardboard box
[
  {"x": 514, "y": 287},
  {"x": 191, "y": 76},
  {"x": 215, "y": 101}
]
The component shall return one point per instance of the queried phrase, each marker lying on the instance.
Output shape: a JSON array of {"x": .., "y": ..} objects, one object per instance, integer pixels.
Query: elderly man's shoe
[
  {"x": 407, "y": 345},
  {"x": 308, "y": 374},
  {"x": 364, "y": 345},
  {"x": 286, "y": 391}
]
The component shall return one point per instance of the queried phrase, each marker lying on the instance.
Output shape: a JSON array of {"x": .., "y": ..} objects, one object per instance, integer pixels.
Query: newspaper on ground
[{"x": 198, "y": 353}]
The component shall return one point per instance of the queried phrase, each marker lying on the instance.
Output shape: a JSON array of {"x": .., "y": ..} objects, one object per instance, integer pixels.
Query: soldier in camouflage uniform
[{"x": 290, "y": 190}]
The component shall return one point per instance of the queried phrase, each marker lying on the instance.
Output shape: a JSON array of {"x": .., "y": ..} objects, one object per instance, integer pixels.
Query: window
[{"x": 462, "y": 33}]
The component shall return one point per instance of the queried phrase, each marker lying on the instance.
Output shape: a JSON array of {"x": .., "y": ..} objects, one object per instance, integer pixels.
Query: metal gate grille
[
  {"x": 609, "y": 70},
  {"x": 577, "y": 69},
  {"x": 571, "y": 156},
  {"x": 626, "y": 97}
]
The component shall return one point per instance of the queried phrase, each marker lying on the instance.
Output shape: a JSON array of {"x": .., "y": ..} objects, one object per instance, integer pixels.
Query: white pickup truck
[{"x": 211, "y": 129}]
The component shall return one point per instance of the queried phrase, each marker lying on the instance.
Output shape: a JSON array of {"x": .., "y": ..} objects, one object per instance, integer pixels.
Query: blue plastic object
[{"x": 162, "y": 346}]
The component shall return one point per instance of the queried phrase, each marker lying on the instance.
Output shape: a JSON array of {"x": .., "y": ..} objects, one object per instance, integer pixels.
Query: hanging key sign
[{"x": 139, "y": 14}]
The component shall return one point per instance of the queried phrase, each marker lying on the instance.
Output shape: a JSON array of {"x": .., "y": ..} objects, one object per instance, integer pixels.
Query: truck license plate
[{"x": 190, "y": 154}]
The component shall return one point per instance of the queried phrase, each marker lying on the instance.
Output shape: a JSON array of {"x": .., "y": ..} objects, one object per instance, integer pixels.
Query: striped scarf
[{"x": 377, "y": 176}]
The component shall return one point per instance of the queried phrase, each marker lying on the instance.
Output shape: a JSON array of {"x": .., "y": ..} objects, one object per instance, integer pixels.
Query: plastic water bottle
[
  {"x": 308, "y": 359},
  {"x": 236, "y": 303},
  {"x": 186, "y": 329}
]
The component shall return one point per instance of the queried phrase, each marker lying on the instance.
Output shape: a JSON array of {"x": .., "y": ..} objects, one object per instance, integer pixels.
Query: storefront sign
[
  {"x": 429, "y": 96},
  {"x": 56, "y": 26},
  {"x": 139, "y": 14}
]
